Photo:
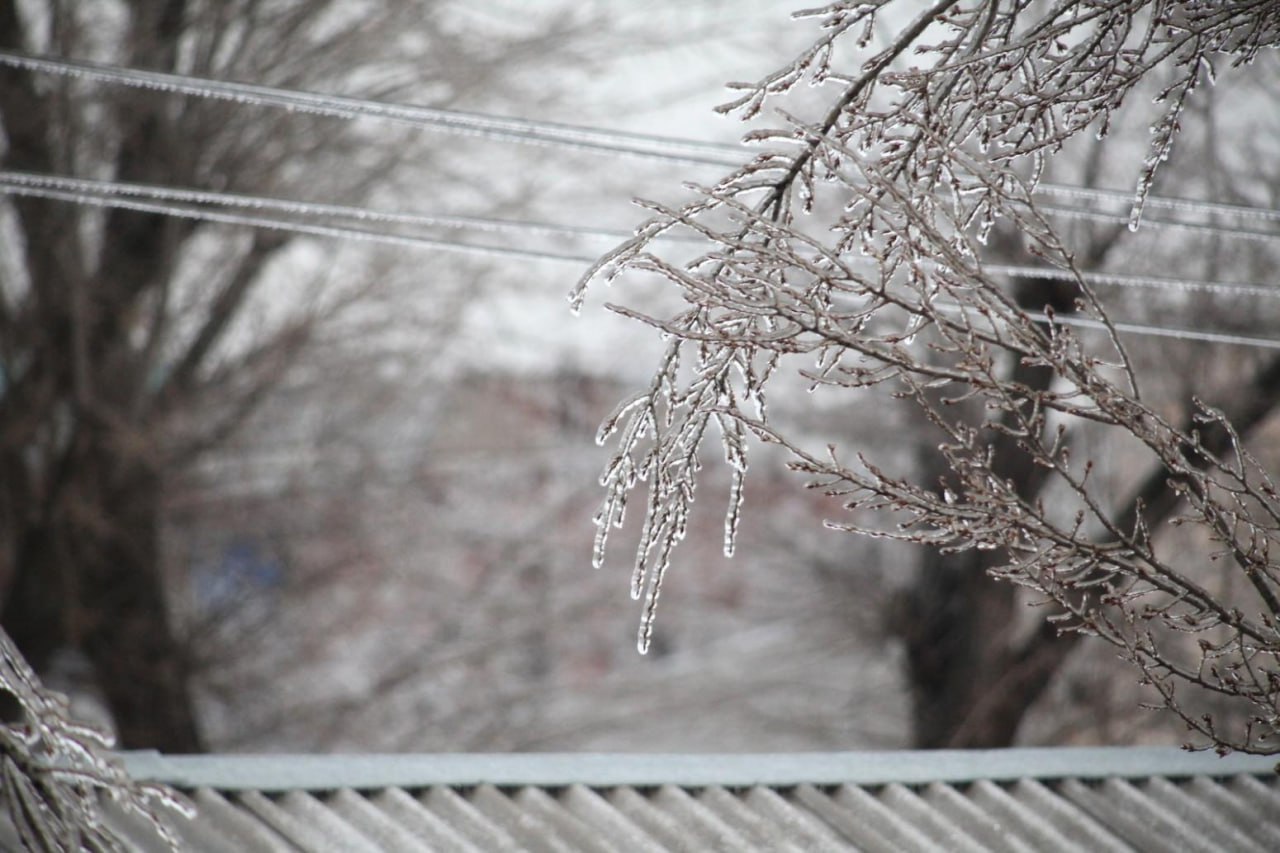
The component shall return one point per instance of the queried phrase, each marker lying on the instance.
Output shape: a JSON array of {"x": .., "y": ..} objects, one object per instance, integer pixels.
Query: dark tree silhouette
[{"x": 119, "y": 367}]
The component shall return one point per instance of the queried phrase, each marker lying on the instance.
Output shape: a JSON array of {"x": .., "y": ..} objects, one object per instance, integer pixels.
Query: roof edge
[{"x": 233, "y": 772}]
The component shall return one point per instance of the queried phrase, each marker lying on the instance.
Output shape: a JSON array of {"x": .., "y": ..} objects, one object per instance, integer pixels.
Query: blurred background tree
[{"x": 131, "y": 344}]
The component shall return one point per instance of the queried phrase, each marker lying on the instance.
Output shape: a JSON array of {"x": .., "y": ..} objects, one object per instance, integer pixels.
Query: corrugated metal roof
[{"x": 1015, "y": 800}]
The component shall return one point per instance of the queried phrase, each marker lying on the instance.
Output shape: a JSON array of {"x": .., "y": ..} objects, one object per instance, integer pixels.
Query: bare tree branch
[{"x": 885, "y": 290}]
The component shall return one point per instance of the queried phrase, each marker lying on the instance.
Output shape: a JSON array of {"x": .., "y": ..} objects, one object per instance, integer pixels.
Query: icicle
[
  {"x": 601, "y": 540},
  {"x": 647, "y": 620},
  {"x": 1139, "y": 202},
  {"x": 647, "y": 535},
  {"x": 734, "y": 514}
]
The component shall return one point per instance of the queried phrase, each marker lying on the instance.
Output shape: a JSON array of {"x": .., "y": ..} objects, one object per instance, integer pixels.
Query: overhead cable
[
  {"x": 1077, "y": 321},
  {"x": 222, "y": 199},
  {"x": 526, "y": 131},
  {"x": 1181, "y": 205},
  {"x": 1159, "y": 331},
  {"x": 1128, "y": 280},
  {"x": 345, "y": 232},
  {"x": 273, "y": 224},
  {"x": 303, "y": 208},
  {"x": 1156, "y": 224},
  {"x": 101, "y": 193},
  {"x": 345, "y": 107}
]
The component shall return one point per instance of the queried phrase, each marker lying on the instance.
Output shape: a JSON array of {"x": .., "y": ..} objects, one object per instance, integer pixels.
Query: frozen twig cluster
[
  {"x": 930, "y": 142},
  {"x": 57, "y": 774}
]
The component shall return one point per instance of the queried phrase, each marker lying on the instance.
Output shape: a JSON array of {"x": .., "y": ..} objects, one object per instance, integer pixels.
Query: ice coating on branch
[
  {"x": 610, "y": 423},
  {"x": 735, "y": 455},
  {"x": 734, "y": 514},
  {"x": 930, "y": 145},
  {"x": 55, "y": 771}
]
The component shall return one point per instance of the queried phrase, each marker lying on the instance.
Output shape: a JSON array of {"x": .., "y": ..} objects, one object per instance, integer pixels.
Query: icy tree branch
[{"x": 930, "y": 142}]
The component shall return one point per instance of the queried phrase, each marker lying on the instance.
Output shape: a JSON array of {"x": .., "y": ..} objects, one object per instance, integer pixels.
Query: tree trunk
[
  {"x": 970, "y": 686},
  {"x": 88, "y": 576},
  {"x": 80, "y": 498},
  {"x": 952, "y": 648}
]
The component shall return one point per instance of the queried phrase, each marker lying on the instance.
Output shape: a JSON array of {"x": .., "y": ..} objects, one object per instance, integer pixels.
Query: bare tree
[
  {"x": 131, "y": 343},
  {"x": 888, "y": 295}
]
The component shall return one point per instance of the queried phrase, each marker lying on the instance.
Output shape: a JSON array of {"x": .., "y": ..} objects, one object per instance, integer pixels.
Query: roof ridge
[{"x": 313, "y": 772}]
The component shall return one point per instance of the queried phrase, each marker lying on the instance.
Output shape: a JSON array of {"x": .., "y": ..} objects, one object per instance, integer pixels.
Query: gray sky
[{"x": 670, "y": 88}]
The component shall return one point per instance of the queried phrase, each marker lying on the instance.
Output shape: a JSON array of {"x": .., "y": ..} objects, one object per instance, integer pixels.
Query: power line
[
  {"x": 124, "y": 195},
  {"x": 1125, "y": 280},
  {"x": 345, "y": 107},
  {"x": 1159, "y": 331},
  {"x": 87, "y": 187},
  {"x": 1136, "y": 328},
  {"x": 84, "y": 186},
  {"x": 346, "y": 232},
  {"x": 505, "y": 251},
  {"x": 316, "y": 230},
  {"x": 527, "y": 131},
  {"x": 1156, "y": 224},
  {"x": 1182, "y": 205}
]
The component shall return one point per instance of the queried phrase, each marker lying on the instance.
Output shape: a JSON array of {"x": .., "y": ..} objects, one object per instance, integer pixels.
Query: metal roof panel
[
  {"x": 1114, "y": 800},
  {"x": 422, "y": 823}
]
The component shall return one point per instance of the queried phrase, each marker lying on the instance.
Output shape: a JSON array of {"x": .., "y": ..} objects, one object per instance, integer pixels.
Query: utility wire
[
  {"x": 1182, "y": 205},
  {"x": 1136, "y": 328},
  {"x": 527, "y": 131},
  {"x": 344, "y": 107},
  {"x": 1125, "y": 280},
  {"x": 84, "y": 186},
  {"x": 345, "y": 232},
  {"x": 96, "y": 192},
  {"x": 126, "y": 195},
  {"x": 273, "y": 224},
  {"x": 1159, "y": 331},
  {"x": 1156, "y": 224}
]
